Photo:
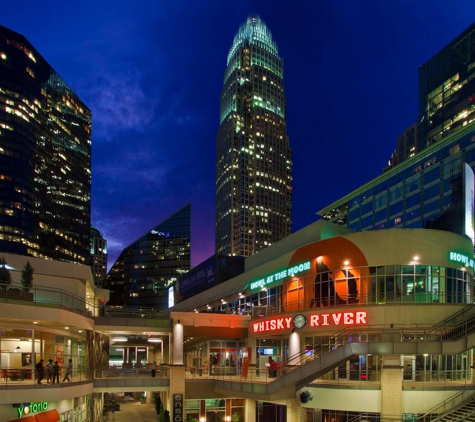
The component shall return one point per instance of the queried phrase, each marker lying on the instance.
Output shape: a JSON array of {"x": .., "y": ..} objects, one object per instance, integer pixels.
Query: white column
[
  {"x": 177, "y": 343},
  {"x": 294, "y": 347}
]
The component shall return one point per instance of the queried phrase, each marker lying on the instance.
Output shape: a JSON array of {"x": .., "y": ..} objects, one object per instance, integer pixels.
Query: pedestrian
[
  {"x": 49, "y": 371},
  {"x": 69, "y": 370},
  {"x": 56, "y": 370},
  {"x": 40, "y": 371},
  {"x": 154, "y": 369}
]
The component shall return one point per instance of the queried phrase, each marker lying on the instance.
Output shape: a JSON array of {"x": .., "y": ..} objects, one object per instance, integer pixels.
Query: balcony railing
[{"x": 41, "y": 296}]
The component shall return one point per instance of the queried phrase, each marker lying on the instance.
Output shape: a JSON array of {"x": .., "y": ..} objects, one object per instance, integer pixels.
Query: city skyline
[{"x": 152, "y": 76}]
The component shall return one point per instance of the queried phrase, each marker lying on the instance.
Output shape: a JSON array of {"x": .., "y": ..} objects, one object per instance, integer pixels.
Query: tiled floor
[{"x": 133, "y": 411}]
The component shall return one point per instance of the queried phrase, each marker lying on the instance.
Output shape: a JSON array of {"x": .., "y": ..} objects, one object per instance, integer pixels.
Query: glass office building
[
  {"x": 413, "y": 194},
  {"x": 253, "y": 159},
  {"x": 145, "y": 269},
  {"x": 446, "y": 90},
  {"x": 45, "y": 158}
]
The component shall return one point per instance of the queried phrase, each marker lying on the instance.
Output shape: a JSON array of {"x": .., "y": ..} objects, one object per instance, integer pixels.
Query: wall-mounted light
[
  {"x": 119, "y": 339},
  {"x": 17, "y": 348},
  {"x": 154, "y": 340},
  {"x": 228, "y": 418},
  {"x": 202, "y": 419},
  {"x": 178, "y": 322}
]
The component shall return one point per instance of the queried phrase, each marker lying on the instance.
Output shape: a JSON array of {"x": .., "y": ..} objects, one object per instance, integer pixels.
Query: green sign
[
  {"x": 461, "y": 258},
  {"x": 279, "y": 275},
  {"x": 32, "y": 408}
]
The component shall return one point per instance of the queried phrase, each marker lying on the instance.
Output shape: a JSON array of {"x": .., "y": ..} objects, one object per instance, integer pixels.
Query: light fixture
[
  {"x": 35, "y": 322},
  {"x": 17, "y": 348},
  {"x": 154, "y": 340},
  {"x": 178, "y": 322},
  {"x": 416, "y": 258},
  {"x": 119, "y": 339}
]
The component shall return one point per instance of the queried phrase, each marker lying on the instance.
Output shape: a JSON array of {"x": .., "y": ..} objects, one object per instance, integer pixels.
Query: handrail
[{"x": 450, "y": 404}]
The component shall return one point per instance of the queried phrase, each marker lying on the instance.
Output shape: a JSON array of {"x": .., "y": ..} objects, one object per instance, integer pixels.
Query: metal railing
[
  {"x": 45, "y": 297},
  {"x": 10, "y": 377}
]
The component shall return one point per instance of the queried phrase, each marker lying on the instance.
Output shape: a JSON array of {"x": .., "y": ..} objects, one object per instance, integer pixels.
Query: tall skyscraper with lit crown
[{"x": 253, "y": 157}]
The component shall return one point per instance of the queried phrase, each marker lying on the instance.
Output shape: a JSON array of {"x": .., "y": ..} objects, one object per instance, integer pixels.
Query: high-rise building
[
  {"x": 253, "y": 157},
  {"x": 98, "y": 256},
  {"x": 447, "y": 90},
  {"x": 145, "y": 269},
  {"x": 45, "y": 158}
]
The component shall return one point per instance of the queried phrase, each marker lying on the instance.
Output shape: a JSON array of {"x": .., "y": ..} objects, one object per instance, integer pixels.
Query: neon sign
[
  {"x": 316, "y": 320},
  {"x": 280, "y": 275},
  {"x": 461, "y": 258},
  {"x": 32, "y": 408}
]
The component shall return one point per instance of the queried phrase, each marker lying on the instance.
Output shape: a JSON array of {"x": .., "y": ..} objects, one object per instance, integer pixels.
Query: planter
[{"x": 16, "y": 294}]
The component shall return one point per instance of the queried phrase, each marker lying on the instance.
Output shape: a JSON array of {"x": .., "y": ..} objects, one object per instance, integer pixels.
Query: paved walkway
[{"x": 133, "y": 411}]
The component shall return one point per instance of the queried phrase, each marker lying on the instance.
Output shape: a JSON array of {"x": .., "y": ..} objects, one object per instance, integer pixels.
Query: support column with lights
[{"x": 177, "y": 374}]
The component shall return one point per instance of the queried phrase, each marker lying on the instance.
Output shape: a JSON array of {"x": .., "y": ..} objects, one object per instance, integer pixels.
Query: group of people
[{"x": 52, "y": 371}]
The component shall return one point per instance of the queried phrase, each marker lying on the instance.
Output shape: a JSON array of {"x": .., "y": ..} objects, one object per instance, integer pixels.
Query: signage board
[
  {"x": 315, "y": 320},
  {"x": 178, "y": 409}
]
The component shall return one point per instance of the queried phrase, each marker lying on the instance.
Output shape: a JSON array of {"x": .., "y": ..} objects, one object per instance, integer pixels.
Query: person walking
[
  {"x": 69, "y": 370},
  {"x": 56, "y": 370},
  {"x": 49, "y": 371},
  {"x": 40, "y": 371},
  {"x": 154, "y": 369}
]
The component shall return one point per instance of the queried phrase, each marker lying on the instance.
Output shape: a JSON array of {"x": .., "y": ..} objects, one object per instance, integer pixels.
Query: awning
[
  {"x": 27, "y": 419},
  {"x": 49, "y": 416}
]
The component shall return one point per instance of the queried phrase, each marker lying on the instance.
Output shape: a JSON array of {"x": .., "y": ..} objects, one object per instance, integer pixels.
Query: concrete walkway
[{"x": 133, "y": 411}]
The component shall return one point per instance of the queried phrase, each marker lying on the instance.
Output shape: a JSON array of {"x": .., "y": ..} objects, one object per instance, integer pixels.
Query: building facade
[
  {"x": 144, "y": 271},
  {"x": 45, "y": 158},
  {"x": 446, "y": 90},
  {"x": 413, "y": 194},
  {"x": 253, "y": 157},
  {"x": 98, "y": 256}
]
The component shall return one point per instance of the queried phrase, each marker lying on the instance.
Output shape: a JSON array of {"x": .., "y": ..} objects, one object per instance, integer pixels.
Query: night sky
[{"x": 151, "y": 71}]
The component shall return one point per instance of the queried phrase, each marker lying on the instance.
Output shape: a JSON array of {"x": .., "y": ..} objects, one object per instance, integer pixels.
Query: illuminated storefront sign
[
  {"x": 32, "y": 408},
  {"x": 280, "y": 275},
  {"x": 315, "y": 320},
  {"x": 461, "y": 258}
]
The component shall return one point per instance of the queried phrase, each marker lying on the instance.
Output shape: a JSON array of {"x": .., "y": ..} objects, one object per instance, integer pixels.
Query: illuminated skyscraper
[
  {"x": 145, "y": 269},
  {"x": 253, "y": 157},
  {"x": 98, "y": 256},
  {"x": 45, "y": 158}
]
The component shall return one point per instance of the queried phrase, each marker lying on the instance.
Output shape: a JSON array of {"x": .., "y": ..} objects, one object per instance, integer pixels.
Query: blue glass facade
[{"x": 410, "y": 195}]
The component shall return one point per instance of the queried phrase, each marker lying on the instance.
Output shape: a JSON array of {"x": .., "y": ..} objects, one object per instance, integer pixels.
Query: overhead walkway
[{"x": 451, "y": 336}]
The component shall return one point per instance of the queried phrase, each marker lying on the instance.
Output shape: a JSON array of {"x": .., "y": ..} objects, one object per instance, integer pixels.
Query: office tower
[
  {"x": 45, "y": 158},
  {"x": 98, "y": 256},
  {"x": 253, "y": 157},
  {"x": 447, "y": 90},
  {"x": 406, "y": 146},
  {"x": 147, "y": 267}
]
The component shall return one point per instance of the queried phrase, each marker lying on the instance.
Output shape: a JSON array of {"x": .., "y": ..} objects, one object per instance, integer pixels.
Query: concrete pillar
[
  {"x": 250, "y": 411},
  {"x": 295, "y": 411},
  {"x": 177, "y": 386},
  {"x": 177, "y": 343},
  {"x": 391, "y": 388},
  {"x": 294, "y": 347},
  {"x": 251, "y": 344}
]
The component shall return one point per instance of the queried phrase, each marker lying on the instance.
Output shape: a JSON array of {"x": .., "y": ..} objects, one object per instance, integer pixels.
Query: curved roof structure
[{"x": 253, "y": 31}]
